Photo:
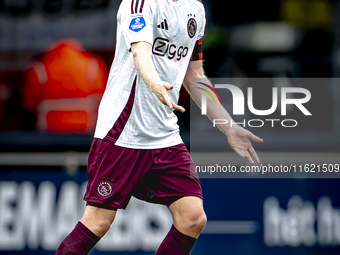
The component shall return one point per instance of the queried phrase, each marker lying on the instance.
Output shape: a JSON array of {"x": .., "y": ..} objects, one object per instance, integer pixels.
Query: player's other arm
[
  {"x": 142, "y": 54},
  {"x": 238, "y": 137}
]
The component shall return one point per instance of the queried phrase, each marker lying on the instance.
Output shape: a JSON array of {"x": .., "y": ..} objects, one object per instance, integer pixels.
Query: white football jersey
[{"x": 130, "y": 115}]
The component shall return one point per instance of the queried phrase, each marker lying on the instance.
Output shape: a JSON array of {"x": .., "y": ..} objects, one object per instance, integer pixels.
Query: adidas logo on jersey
[{"x": 163, "y": 25}]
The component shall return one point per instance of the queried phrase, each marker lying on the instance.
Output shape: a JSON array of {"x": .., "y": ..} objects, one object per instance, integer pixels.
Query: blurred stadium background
[{"x": 49, "y": 91}]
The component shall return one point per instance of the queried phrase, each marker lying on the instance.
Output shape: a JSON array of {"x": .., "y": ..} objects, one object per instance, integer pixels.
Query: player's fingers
[
  {"x": 251, "y": 161},
  {"x": 178, "y": 107},
  {"x": 167, "y": 101},
  {"x": 168, "y": 86},
  {"x": 256, "y": 138},
  {"x": 254, "y": 155},
  {"x": 240, "y": 152}
]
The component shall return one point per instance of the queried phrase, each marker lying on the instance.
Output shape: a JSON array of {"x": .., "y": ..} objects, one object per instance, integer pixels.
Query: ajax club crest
[
  {"x": 192, "y": 27},
  {"x": 104, "y": 189}
]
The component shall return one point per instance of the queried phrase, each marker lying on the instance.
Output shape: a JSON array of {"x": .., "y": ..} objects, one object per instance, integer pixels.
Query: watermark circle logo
[
  {"x": 104, "y": 189},
  {"x": 192, "y": 27}
]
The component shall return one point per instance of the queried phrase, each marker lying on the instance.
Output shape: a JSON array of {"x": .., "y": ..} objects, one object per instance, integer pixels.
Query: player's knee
[
  {"x": 195, "y": 221},
  {"x": 98, "y": 220},
  {"x": 103, "y": 226},
  {"x": 200, "y": 222}
]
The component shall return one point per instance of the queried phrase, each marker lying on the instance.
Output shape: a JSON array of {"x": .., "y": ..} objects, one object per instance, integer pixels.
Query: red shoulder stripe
[
  {"x": 141, "y": 7},
  {"x": 132, "y": 6}
]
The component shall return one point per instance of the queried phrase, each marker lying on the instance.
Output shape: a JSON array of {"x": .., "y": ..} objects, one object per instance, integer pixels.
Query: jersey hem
[
  {"x": 100, "y": 202},
  {"x": 148, "y": 146}
]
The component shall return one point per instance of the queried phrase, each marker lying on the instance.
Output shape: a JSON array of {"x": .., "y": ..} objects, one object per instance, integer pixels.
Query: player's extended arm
[
  {"x": 142, "y": 54},
  {"x": 238, "y": 137}
]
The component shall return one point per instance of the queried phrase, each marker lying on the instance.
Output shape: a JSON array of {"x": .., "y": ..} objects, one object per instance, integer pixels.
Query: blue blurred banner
[{"x": 269, "y": 216}]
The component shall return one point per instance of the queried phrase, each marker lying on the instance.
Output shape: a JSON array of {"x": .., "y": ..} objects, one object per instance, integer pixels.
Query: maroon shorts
[{"x": 157, "y": 175}]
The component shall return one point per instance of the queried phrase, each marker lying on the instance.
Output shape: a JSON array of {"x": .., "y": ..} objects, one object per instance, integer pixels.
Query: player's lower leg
[
  {"x": 80, "y": 241},
  {"x": 93, "y": 226},
  {"x": 189, "y": 221}
]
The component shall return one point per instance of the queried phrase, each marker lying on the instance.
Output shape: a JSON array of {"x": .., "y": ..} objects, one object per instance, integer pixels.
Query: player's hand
[
  {"x": 239, "y": 139},
  {"x": 161, "y": 90}
]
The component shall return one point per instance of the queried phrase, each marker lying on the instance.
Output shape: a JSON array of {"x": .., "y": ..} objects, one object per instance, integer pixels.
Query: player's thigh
[{"x": 98, "y": 220}]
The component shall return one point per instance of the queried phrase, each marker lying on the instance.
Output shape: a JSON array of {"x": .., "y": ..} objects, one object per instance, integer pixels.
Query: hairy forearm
[
  {"x": 214, "y": 111},
  {"x": 144, "y": 65}
]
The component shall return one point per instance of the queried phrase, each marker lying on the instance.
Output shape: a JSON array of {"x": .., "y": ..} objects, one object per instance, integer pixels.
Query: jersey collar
[{"x": 178, "y": 3}]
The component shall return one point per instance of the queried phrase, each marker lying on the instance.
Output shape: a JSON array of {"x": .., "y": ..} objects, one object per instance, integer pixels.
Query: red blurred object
[
  {"x": 64, "y": 88},
  {"x": 4, "y": 96}
]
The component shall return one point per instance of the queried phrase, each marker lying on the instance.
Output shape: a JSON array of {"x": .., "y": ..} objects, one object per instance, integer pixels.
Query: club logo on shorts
[
  {"x": 104, "y": 188},
  {"x": 192, "y": 27}
]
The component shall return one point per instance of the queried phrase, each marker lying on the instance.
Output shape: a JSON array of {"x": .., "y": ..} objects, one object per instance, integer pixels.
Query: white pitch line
[{"x": 231, "y": 227}]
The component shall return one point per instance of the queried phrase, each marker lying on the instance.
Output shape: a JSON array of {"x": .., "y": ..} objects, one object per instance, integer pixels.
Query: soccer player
[{"x": 137, "y": 149}]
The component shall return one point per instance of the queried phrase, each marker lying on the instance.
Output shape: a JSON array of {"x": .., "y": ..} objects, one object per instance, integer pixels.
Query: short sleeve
[
  {"x": 137, "y": 20},
  {"x": 203, "y": 23}
]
